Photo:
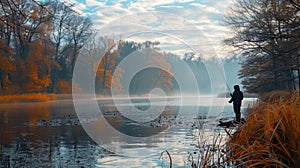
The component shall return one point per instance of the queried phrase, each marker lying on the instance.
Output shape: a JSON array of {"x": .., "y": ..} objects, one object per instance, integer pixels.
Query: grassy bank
[
  {"x": 271, "y": 135},
  {"x": 38, "y": 97}
]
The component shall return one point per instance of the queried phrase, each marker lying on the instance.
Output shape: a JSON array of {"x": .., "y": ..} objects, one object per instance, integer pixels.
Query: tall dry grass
[
  {"x": 275, "y": 96},
  {"x": 271, "y": 135},
  {"x": 39, "y": 97}
]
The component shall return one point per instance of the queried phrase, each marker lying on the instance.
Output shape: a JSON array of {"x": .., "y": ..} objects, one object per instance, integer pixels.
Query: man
[{"x": 237, "y": 98}]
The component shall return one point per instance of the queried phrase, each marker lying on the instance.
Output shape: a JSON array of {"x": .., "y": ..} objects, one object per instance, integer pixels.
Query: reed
[
  {"x": 210, "y": 149},
  {"x": 275, "y": 96},
  {"x": 169, "y": 156},
  {"x": 271, "y": 135}
]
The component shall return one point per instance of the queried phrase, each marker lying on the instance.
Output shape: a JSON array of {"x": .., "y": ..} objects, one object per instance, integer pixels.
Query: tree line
[
  {"x": 40, "y": 43},
  {"x": 266, "y": 33}
]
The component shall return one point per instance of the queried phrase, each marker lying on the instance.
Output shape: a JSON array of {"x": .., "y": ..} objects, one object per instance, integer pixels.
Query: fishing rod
[
  {"x": 228, "y": 86},
  {"x": 224, "y": 77}
]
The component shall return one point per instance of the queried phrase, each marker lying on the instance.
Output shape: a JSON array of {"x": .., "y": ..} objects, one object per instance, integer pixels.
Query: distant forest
[{"x": 40, "y": 43}]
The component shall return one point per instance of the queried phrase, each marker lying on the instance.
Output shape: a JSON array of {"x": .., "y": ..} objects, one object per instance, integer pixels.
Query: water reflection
[
  {"x": 140, "y": 129},
  {"x": 49, "y": 134},
  {"x": 26, "y": 143}
]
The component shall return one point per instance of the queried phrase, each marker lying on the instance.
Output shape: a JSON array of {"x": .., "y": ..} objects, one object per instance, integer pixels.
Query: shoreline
[{"x": 27, "y": 98}]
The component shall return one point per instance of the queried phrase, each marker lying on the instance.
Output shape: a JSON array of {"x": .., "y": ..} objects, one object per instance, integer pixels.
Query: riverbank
[
  {"x": 23, "y": 98},
  {"x": 39, "y": 97},
  {"x": 270, "y": 137}
]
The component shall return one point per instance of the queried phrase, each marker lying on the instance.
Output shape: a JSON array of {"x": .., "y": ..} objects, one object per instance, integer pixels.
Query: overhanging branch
[{"x": 297, "y": 6}]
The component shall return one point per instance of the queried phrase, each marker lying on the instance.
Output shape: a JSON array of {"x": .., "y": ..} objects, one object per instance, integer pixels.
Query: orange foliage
[
  {"x": 270, "y": 137},
  {"x": 105, "y": 73},
  {"x": 116, "y": 81},
  {"x": 35, "y": 70},
  {"x": 6, "y": 67},
  {"x": 62, "y": 86},
  {"x": 6, "y": 64},
  {"x": 164, "y": 76}
]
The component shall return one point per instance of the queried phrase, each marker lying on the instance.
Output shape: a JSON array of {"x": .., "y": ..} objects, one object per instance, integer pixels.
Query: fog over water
[{"x": 50, "y": 134}]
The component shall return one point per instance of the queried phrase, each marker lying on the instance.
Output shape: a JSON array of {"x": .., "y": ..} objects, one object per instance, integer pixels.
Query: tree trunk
[
  {"x": 103, "y": 81},
  {"x": 298, "y": 79},
  {"x": 53, "y": 80},
  {"x": 1, "y": 81}
]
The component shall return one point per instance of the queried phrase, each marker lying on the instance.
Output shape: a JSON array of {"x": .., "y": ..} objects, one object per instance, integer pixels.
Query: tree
[
  {"x": 116, "y": 83},
  {"x": 40, "y": 42},
  {"x": 265, "y": 33},
  {"x": 59, "y": 40},
  {"x": 36, "y": 70},
  {"x": 24, "y": 19},
  {"x": 106, "y": 68},
  {"x": 296, "y": 4},
  {"x": 107, "y": 49},
  {"x": 151, "y": 77},
  {"x": 24, "y": 26},
  {"x": 69, "y": 31},
  {"x": 7, "y": 67},
  {"x": 79, "y": 30}
]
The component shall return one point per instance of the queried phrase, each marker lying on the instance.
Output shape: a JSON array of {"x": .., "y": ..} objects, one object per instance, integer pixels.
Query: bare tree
[
  {"x": 69, "y": 31},
  {"x": 61, "y": 14},
  {"x": 25, "y": 20},
  {"x": 78, "y": 30},
  {"x": 296, "y": 4},
  {"x": 265, "y": 33}
]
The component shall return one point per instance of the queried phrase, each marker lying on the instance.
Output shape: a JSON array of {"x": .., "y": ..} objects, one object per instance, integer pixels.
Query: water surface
[{"x": 49, "y": 134}]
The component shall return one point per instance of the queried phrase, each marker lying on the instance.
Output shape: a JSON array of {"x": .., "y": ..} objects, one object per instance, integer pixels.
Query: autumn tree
[
  {"x": 69, "y": 32},
  {"x": 109, "y": 75},
  {"x": 25, "y": 20},
  {"x": 58, "y": 36},
  {"x": 7, "y": 68},
  {"x": 98, "y": 61},
  {"x": 24, "y": 23},
  {"x": 265, "y": 33},
  {"x": 40, "y": 41},
  {"x": 36, "y": 68},
  {"x": 106, "y": 68},
  {"x": 79, "y": 30},
  {"x": 116, "y": 82}
]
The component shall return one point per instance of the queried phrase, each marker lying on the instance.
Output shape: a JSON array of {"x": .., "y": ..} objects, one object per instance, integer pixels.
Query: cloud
[
  {"x": 94, "y": 3},
  {"x": 187, "y": 17}
]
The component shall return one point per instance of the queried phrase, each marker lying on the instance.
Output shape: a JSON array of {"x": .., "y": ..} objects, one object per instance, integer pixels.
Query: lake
[{"x": 50, "y": 134}]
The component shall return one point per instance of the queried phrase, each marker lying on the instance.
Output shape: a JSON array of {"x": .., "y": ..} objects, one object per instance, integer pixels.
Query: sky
[{"x": 180, "y": 25}]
